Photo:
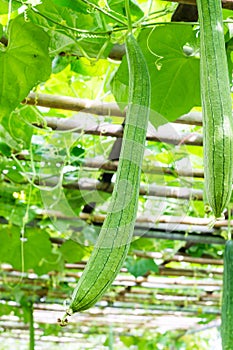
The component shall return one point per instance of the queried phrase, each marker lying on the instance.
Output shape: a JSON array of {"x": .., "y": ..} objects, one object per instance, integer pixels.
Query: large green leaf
[
  {"x": 175, "y": 77},
  {"x": 139, "y": 267},
  {"x": 64, "y": 23},
  {"x": 6, "y": 138},
  {"x": 11, "y": 170},
  {"x": 23, "y": 64},
  {"x": 65, "y": 16},
  {"x": 89, "y": 68},
  {"x": 10, "y": 243},
  {"x": 72, "y": 252},
  {"x": 171, "y": 55},
  {"x": 52, "y": 261},
  {"x": 119, "y": 7},
  {"x": 76, "y": 5},
  {"x": 4, "y": 6},
  {"x": 37, "y": 249},
  {"x": 17, "y": 216},
  {"x": 19, "y": 127},
  {"x": 115, "y": 8}
]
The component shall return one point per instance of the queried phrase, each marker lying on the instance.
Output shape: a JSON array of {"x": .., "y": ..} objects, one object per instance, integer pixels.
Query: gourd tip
[{"x": 64, "y": 320}]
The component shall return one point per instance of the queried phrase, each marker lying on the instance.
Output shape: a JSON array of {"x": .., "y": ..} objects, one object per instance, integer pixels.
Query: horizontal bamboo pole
[
  {"x": 73, "y": 104},
  {"x": 194, "y": 223},
  {"x": 111, "y": 166},
  {"x": 74, "y": 271},
  {"x": 164, "y": 133},
  {"x": 179, "y": 258},
  {"x": 94, "y": 107},
  {"x": 86, "y": 184},
  {"x": 151, "y": 168}
]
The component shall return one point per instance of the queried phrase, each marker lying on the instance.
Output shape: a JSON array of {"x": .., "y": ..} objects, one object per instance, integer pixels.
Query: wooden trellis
[
  {"x": 174, "y": 298},
  {"x": 132, "y": 303}
]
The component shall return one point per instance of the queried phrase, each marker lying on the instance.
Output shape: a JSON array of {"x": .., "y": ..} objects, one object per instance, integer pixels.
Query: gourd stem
[
  {"x": 128, "y": 14},
  {"x": 31, "y": 328}
]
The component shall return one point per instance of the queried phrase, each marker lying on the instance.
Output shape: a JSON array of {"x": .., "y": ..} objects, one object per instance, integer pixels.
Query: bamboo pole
[
  {"x": 31, "y": 327},
  {"x": 86, "y": 184},
  {"x": 111, "y": 166},
  {"x": 95, "y": 107},
  {"x": 93, "y": 127}
]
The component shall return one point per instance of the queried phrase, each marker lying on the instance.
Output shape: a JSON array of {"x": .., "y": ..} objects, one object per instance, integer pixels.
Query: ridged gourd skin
[
  {"x": 116, "y": 233},
  {"x": 227, "y": 298},
  {"x": 216, "y": 107}
]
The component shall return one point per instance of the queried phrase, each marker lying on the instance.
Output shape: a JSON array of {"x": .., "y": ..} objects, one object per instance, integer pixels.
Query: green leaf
[
  {"x": 86, "y": 67},
  {"x": 7, "y": 138},
  {"x": 76, "y": 5},
  {"x": 11, "y": 170},
  {"x": 78, "y": 154},
  {"x": 19, "y": 124},
  {"x": 6, "y": 309},
  {"x": 60, "y": 63},
  {"x": 201, "y": 249},
  {"x": 174, "y": 66},
  {"x": 140, "y": 267},
  {"x": 5, "y": 150},
  {"x": 72, "y": 252},
  {"x": 10, "y": 244},
  {"x": 59, "y": 22},
  {"x": 23, "y": 64},
  {"x": 145, "y": 244},
  {"x": 35, "y": 245},
  {"x": 17, "y": 216},
  {"x": 18, "y": 129},
  {"x": 119, "y": 7},
  {"x": 128, "y": 341},
  {"x": 50, "y": 329},
  {"x": 29, "y": 115},
  {"x": 119, "y": 85},
  {"x": 65, "y": 16},
  {"x": 53, "y": 261},
  {"x": 4, "y": 6},
  {"x": 171, "y": 156},
  {"x": 116, "y": 8}
]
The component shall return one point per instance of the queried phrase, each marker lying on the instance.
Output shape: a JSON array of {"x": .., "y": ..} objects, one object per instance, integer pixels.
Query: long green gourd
[
  {"x": 116, "y": 233},
  {"x": 227, "y": 298},
  {"x": 216, "y": 106}
]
